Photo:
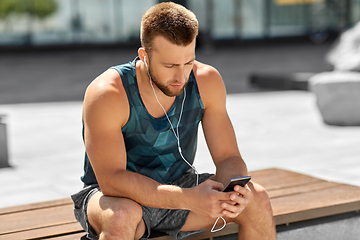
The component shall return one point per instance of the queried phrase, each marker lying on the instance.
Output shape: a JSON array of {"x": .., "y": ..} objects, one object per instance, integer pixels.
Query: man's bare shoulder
[
  {"x": 107, "y": 83},
  {"x": 106, "y": 94},
  {"x": 209, "y": 81},
  {"x": 204, "y": 71}
]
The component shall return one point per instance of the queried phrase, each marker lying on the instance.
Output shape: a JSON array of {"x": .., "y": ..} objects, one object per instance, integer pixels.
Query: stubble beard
[{"x": 166, "y": 89}]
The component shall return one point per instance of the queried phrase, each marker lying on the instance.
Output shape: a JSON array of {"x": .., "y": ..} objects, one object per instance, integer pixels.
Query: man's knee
[
  {"x": 257, "y": 221},
  {"x": 261, "y": 200},
  {"x": 110, "y": 215},
  {"x": 121, "y": 211}
]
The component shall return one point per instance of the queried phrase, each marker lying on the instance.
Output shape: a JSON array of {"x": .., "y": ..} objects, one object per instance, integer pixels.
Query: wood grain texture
[{"x": 294, "y": 197}]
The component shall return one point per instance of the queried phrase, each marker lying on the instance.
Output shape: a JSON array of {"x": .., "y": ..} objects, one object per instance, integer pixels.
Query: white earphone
[
  {"x": 145, "y": 62},
  {"x": 177, "y": 136}
]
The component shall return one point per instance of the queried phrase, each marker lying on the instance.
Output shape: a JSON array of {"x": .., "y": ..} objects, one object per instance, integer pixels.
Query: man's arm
[
  {"x": 220, "y": 138},
  {"x": 217, "y": 127},
  {"x": 106, "y": 111}
]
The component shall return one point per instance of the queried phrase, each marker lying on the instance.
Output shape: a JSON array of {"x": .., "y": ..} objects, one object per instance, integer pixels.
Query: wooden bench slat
[
  {"x": 75, "y": 236},
  {"x": 271, "y": 174},
  {"x": 272, "y": 179},
  {"x": 308, "y": 205},
  {"x": 166, "y": 237},
  {"x": 34, "y": 206},
  {"x": 36, "y": 219},
  {"x": 229, "y": 229},
  {"x": 47, "y": 232},
  {"x": 339, "y": 194},
  {"x": 294, "y": 217},
  {"x": 312, "y": 186}
]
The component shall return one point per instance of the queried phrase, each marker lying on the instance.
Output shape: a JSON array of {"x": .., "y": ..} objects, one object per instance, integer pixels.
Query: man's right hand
[{"x": 206, "y": 198}]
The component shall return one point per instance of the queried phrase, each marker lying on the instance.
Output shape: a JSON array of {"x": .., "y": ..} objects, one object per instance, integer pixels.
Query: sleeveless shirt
[{"x": 151, "y": 146}]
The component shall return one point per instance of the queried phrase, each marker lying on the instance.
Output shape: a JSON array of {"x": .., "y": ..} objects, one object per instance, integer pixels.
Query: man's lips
[{"x": 176, "y": 85}]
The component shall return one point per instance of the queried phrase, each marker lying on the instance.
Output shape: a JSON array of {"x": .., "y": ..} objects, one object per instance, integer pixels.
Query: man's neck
[{"x": 147, "y": 93}]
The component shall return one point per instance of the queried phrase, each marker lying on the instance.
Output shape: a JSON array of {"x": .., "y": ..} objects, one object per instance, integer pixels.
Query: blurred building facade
[{"x": 71, "y": 22}]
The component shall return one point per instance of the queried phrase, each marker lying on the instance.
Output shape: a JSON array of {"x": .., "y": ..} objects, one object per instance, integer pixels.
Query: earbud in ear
[{"x": 145, "y": 62}]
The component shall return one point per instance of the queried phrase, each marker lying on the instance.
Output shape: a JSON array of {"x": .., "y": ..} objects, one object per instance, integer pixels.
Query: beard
[{"x": 167, "y": 89}]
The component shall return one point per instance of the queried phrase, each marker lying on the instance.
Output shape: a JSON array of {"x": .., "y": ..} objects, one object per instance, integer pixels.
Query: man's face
[{"x": 170, "y": 65}]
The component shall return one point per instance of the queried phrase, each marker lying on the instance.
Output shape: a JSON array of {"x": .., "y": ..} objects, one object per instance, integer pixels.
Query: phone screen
[{"x": 241, "y": 181}]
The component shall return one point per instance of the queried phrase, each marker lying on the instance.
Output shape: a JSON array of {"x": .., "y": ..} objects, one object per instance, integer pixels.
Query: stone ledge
[
  {"x": 342, "y": 226},
  {"x": 4, "y": 156},
  {"x": 337, "y": 97}
]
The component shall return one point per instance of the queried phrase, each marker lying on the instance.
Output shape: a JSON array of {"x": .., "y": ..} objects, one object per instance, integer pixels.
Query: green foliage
[
  {"x": 41, "y": 8},
  {"x": 36, "y": 8},
  {"x": 8, "y": 7}
]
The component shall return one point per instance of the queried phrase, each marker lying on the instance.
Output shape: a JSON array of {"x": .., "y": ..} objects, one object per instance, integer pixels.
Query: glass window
[
  {"x": 355, "y": 11},
  {"x": 252, "y": 19},
  {"x": 116, "y": 21}
]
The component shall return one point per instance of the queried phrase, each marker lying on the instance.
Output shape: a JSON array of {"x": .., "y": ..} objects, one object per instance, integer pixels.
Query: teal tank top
[{"x": 151, "y": 146}]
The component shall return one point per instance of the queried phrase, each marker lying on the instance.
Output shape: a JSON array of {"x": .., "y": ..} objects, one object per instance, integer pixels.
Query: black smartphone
[{"x": 241, "y": 181}]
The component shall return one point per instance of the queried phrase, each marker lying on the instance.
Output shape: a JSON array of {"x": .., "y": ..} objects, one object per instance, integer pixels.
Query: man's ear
[{"x": 142, "y": 53}]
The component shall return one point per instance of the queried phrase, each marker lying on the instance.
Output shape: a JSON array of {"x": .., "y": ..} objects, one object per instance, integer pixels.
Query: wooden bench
[{"x": 295, "y": 198}]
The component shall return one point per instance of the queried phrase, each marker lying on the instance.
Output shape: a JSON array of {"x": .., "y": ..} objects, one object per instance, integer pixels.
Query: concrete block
[
  {"x": 338, "y": 97},
  {"x": 344, "y": 226},
  {"x": 4, "y": 156}
]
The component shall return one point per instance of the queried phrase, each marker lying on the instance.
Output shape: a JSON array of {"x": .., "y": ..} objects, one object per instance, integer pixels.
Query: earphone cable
[{"x": 177, "y": 136}]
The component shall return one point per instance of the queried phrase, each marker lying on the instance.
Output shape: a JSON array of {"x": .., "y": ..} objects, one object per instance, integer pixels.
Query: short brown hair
[{"x": 172, "y": 21}]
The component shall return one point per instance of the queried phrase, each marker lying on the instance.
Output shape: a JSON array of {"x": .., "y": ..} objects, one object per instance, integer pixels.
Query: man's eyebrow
[
  {"x": 193, "y": 59},
  {"x": 177, "y": 64}
]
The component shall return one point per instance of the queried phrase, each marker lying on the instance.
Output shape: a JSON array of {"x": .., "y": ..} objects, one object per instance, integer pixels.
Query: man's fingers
[
  {"x": 237, "y": 204},
  {"x": 245, "y": 191},
  {"x": 233, "y": 214},
  {"x": 216, "y": 185}
]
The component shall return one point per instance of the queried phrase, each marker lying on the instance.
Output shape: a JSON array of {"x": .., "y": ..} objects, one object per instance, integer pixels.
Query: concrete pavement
[{"x": 274, "y": 129}]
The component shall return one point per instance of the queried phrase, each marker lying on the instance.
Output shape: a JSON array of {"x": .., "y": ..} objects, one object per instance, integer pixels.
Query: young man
[{"x": 140, "y": 133}]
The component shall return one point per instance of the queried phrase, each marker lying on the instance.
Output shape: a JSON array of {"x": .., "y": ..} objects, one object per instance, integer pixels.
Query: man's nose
[{"x": 181, "y": 75}]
